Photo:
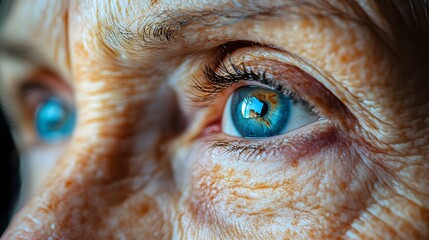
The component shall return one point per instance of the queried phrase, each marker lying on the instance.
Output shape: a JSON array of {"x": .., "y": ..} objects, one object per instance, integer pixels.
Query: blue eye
[
  {"x": 54, "y": 120},
  {"x": 257, "y": 112}
]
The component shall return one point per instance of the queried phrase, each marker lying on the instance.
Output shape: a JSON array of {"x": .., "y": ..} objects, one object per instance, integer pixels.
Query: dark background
[
  {"x": 9, "y": 174},
  {"x": 9, "y": 164}
]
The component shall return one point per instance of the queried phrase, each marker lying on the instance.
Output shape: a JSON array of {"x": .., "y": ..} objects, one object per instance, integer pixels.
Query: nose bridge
[
  {"x": 113, "y": 171},
  {"x": 115, "y": 174},
  {"x": 116, "y": 166}
]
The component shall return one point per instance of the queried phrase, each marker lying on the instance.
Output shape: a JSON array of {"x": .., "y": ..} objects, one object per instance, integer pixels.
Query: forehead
[{"x": 44, "y": 25}]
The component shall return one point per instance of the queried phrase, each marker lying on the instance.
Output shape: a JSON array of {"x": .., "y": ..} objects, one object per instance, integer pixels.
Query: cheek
[
  {"x": 35, "y": 164},
  {"x": 326, "y": 190}
]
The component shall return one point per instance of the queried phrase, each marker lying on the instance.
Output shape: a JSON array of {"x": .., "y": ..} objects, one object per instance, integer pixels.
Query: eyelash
[{"x": 215, "y": 82}]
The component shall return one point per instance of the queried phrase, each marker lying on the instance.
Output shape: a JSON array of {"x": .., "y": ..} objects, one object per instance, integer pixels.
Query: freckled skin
[{"x": 131, "y": 170}]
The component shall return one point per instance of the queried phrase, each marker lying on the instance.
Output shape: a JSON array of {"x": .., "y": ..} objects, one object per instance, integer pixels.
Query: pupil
[
  {"x": 252, "y": 107},
  {"x": 264, "y": 109}
]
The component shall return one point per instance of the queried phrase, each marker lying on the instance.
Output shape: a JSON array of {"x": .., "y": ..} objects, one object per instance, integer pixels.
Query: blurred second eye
[
  {"x": 54, "y": 120},
  {"x": 258, "y": 112}
]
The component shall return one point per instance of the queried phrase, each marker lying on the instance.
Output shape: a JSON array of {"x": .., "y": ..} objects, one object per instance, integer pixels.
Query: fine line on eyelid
[
  {"x": 212, "y": 84},
  {"x": 322, "y": 132}
]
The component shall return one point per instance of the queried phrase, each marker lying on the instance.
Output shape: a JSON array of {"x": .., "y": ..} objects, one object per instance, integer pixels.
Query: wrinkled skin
[{"x": 141, "y": 163}]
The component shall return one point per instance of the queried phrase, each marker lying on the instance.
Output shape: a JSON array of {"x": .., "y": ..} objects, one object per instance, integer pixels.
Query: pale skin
[{"x": 141, "y": 163}]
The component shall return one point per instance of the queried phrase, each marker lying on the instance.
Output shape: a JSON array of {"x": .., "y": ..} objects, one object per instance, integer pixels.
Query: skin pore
[{"x": 148, "y": 158}]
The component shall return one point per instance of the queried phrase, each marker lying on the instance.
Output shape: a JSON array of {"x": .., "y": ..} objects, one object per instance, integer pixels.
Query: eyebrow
[
  {"x": 408, "y": 20},
  {"x": 160, "y": 28}
]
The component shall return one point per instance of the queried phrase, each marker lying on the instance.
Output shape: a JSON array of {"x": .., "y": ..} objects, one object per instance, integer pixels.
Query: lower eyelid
[{"x": 293, "y": 145}]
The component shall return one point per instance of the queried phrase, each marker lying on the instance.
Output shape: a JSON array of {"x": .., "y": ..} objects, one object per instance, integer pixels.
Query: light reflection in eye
[
  {"x": 54, "y": 120},
  {"x": 257, "y": 112},
  {"x": 252, "y": 107}
]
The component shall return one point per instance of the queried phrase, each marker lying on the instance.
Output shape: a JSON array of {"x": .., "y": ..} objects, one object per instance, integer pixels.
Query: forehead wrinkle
[{"x": 164, "y": 25}]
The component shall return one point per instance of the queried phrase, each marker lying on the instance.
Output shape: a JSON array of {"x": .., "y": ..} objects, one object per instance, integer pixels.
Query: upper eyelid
[
  {"x": 216, "y": 67},
  {"x": 281, "y": 65},
  {"x": 229, "y": 80},
  {"x": 246, "y": 73},
  {"x": 322, "y": 78},
  {"x": 217, "y": 61},
  {"x": 50, "y": 82}
]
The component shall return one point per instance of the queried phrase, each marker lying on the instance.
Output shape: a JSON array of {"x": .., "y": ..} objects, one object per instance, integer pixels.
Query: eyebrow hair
[{"x": 160, "y": 29}]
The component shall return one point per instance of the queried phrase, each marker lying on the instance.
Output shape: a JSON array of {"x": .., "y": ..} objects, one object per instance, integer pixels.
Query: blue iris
[
  {"x": 54, "y": 120},
  {"x": 259, "y": 112}
]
